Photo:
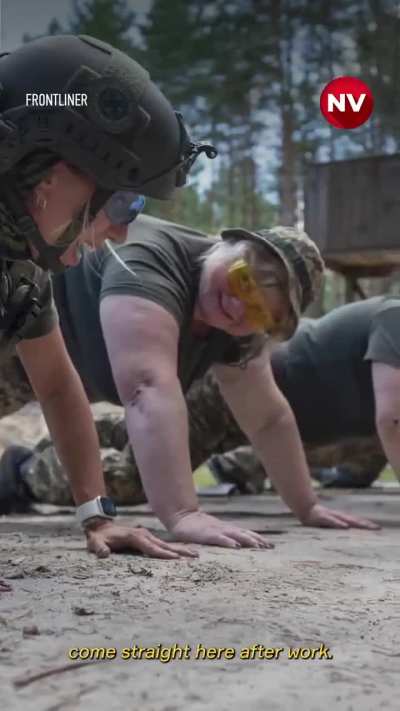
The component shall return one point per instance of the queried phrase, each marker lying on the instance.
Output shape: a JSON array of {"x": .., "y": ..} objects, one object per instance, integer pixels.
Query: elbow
[
  {"x": 132, "y": 392},
  {"x": 282, "y": 419},
  {"x": 285, "y": 419},
  {"x": 136, "y": 390},
  {"x": 387, "y": 421}
]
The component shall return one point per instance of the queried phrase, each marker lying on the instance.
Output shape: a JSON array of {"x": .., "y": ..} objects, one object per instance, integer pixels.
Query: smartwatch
[{"x": 100, "y": 507}]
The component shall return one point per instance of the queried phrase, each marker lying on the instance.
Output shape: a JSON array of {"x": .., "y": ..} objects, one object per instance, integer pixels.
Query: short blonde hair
[
  {"x": 266, "y": 267},
  {"x": 264, "y": 263}
]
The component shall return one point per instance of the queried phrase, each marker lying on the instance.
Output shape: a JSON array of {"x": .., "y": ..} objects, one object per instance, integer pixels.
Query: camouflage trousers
[
  {"x": 15, "y": 390},
  {"x": 213, "y": 433}
]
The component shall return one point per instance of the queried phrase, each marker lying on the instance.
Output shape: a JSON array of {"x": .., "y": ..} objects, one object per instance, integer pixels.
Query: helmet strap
[{"x": 48, "y": 255}]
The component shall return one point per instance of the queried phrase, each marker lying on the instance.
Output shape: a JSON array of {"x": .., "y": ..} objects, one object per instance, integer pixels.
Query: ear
[{"x": 54, "y": 176}]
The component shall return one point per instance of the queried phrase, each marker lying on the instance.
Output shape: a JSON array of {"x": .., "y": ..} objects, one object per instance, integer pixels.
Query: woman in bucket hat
[{"x": 174, "y": 305}]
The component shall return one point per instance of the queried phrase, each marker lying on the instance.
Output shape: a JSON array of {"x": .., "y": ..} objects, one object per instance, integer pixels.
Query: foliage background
[{"x": 247, "y": 74}]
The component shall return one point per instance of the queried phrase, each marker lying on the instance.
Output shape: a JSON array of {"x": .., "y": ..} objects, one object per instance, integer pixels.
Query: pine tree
[{"x": 107, "y": 20}]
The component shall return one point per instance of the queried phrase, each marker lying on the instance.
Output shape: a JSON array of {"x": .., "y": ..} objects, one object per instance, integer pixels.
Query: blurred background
[{"x": 247, "y": 75}]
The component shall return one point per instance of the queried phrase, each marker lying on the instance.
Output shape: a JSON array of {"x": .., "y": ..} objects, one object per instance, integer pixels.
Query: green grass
[
  {"x": 387, "y": 474},
  {"x": 203, "y": 477}
]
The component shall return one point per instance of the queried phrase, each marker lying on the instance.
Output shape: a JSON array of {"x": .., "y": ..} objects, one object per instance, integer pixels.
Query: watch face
[{"x": 108, "y": 506}]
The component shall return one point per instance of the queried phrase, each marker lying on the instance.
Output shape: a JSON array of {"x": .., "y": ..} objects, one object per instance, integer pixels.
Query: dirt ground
[{"x": 338, "y": 589}]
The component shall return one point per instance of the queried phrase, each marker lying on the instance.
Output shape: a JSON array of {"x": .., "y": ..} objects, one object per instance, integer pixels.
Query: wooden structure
[{"x": 352, "y": 212}]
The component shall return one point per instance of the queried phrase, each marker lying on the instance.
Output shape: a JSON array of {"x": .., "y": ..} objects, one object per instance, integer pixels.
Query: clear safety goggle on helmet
[{"x": 123, "y": 207}]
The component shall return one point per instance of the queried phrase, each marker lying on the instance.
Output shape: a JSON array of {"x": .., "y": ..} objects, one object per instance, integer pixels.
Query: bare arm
[
  {"x": 386, "y": 384},
  {"x": 142, "y": 342},
  {"x": 264, "y": 415},
  {"x": 70, "y": 422},
  {"x": 67, "y": 412}
]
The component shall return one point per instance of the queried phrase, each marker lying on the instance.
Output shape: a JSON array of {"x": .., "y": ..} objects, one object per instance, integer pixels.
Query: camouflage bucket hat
[{"x": 300, "y": 255}]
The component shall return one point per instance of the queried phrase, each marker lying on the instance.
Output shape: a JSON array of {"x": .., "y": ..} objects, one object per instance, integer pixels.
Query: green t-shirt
[
  {"x": 160, "y": 262},
  {"x": 325, "y": 369}
]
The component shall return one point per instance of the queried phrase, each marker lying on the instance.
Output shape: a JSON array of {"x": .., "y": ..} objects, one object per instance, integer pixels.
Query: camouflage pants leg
[
  {"x": 214, "y": 435},
  {"x": 212, "y": 428},
  {"x": 361, "y": 457},
  {"x": 47, "y": 480},
  {"x": 15, "y": 389},
  {"x": 43, "y": 472}
]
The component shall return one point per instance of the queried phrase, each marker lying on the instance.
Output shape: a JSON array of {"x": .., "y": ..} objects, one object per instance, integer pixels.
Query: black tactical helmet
[{"x": 127, "y": 138}]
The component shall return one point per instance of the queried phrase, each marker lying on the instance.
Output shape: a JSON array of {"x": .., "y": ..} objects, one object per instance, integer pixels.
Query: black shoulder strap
[{"x": 20, "y": 300}]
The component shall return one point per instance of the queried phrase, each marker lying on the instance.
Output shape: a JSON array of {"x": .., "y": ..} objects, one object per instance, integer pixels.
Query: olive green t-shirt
[
  {"x": 325, "y": 370},
  {"x": 158, "y": 262}
]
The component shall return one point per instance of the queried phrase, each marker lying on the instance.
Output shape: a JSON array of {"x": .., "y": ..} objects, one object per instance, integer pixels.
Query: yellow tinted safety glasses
[{"x": 243, "y": 285}]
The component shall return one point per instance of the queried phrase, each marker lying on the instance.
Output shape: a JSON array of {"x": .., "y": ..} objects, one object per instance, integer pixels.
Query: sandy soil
[{"x": 339, "y": 589}]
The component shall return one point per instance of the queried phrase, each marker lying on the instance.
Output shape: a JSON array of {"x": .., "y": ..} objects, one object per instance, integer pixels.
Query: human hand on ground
[
  {"x": 198, "y": 527},
  {"x": 106, "y": 537},
  {"x": 321, "y": 516}
]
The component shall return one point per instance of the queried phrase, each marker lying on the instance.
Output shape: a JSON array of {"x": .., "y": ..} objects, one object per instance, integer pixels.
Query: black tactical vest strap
[{"x": 20, "y": 304}]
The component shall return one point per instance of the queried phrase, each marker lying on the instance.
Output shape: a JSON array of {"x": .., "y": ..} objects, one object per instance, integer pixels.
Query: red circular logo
[{"x": 346, "y": 102}]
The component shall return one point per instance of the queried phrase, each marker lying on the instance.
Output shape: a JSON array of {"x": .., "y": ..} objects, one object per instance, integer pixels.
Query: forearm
[
  {"x": 389, "y": 434},
  {"x": 280, "y": 449},
  {"x": 70, "y": 422},
  {"x": 157, "y": 426}
]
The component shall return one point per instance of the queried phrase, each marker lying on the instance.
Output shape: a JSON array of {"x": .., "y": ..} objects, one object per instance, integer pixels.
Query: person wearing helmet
[
  {"x": 125, "y": 138},
  {"x": 143, "y": 328},
  {"x": 59, "y": 167}
]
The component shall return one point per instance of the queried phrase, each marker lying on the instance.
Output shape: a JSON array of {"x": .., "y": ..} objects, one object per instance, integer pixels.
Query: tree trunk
[{"x": 287, "y": 172}]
